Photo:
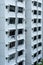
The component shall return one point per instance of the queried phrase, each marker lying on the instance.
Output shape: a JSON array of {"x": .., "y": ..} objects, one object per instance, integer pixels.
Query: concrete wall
[
  {"x": 28, "y": 32},
  {"x": 2, "y": 29},
  {"x": 42, "y": 28}
]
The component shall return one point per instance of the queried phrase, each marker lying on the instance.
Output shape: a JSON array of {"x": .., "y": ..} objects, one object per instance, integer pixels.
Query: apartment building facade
[
  {"x": 33, "y": 32},
  {"x": 42, "y": 28},
  {"x": 12, "y": 32}
]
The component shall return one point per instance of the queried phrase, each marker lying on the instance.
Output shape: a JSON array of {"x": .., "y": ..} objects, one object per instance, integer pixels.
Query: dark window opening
[
  {"x": 39, "y": 28},
  {"x": 35, "y": 46},
  {"x": 39, "y": 36},
  {"x": 39, "y": 4},
  {"x": 20, "y": 9},
  {"x": 35, "y": 29},
  {"x": 39, "y": 12},
  {"x": 20, "y": 53},
  {"x": 20, "y": 42},
  {"x": 20, "y": 0},
  {"x": 35, "y": 63},
  {"x": 12, "y": 44},
  {"x": 39, "y": 44},
  {"x": 39, "y": 52},
  {"x": 35, "y": 3},
  {"x": 12, "y": 21},
  {"x": 39, "y": 60},
  {"x": 12, "y": 32},
  {"x": 35, "y": 20},
  {"x": 11, "y": 56},
  {"x": 35, "y": 12},
  {"x": 20, "y": 31},
  {"x": 35, "y": 54},
  {"x": 12, "y": 8},
  {"x": 35, "y": 37},
  {"x": 39, "y": 20},
  {"x": 20, "y": 20},
  {"x": 20, "y": 63}
]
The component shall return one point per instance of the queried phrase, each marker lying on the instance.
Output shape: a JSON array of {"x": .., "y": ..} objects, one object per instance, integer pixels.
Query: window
[
  {"x": 12, "y": 8},
  {"x": 35, "y": 37},
  {"x": 35, "y": 12},
  {"x": 35, "y": 29},
  {"x": 20, "y": 9},
  {"x": 39, "y": 44},
  {"x": 20, "y": 53},
  {"x": 20, "y": 20},
  {"x": 39, "y": 12},
  {"x": 35, "y": 46},
  {"x": 20, "y": 0},
  {"x": 39, "y": 52},
  {"x": 20, "y": 63},
  {"x": 39, "y": 4},
  {"x": 12, "y": 44},
  {"x": 35, "y": 3},
  {"x": 35, "y": 54},
  {"x": 39, "y": 28},
  {"x": 20, "y": 42},
  {"x": 11, "y": 56},
  {"x": 39, "y": 20},
  {"x": 39, "y": 36},
  {"x": 35, "y": 63},
  {"x": 39, "y": 60},
  {"x": 12, "y": 21},
  {"x": 35, "y": 20},
  {"x": 12, "y": 32},
  {"x": 20, "y": 31}
]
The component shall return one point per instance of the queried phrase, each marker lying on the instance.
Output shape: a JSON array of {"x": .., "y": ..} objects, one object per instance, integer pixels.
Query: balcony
[
  {"x": 11, "y": 62},
  {"x": 39, "y": 56},
  {"x": 11, "y": 37},
  {"x": 34, "y": 51},
  {"x": 12, "y": 2},
  {"x": 39, "y": 48},
  {"x": 21, "y": 58},
  {"x": 19, "y": 26},
  {"x": 21, "y": 4},
  {"x": 10, "y": 14},
  {"x": 21, "y": 47},
  {"x": 9, "y": 26},
  {"x": 20, "y": 36}
]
